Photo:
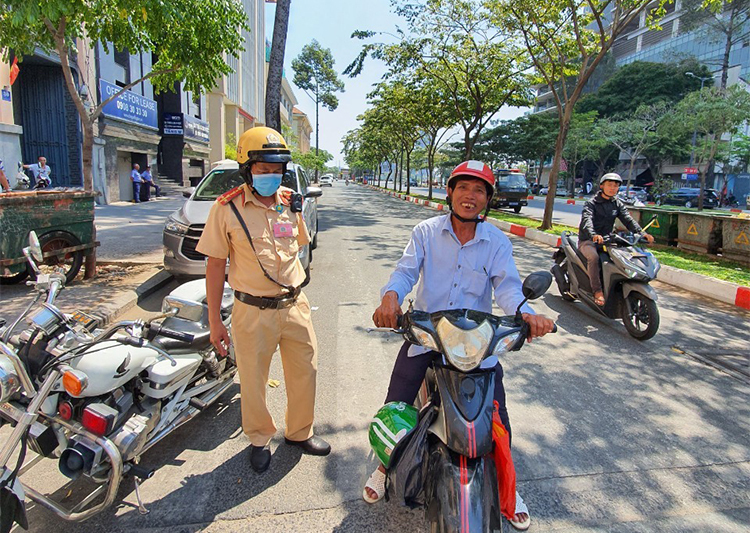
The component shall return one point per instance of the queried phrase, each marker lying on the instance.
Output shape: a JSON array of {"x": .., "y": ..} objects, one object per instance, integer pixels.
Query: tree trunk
[
  {"x": 728, "y": 48},
  {"x": 276, "y": 65},
  {"x": 549, "y": 203}
]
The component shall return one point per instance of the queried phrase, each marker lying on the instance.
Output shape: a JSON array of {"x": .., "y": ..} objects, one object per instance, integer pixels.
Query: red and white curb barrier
[{"x": 723, "y": 291}]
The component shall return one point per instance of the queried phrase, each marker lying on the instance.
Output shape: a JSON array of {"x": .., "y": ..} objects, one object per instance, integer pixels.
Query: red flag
[
  {"x": 563, "y": 165},
  {"x": 14, "y": 70}
]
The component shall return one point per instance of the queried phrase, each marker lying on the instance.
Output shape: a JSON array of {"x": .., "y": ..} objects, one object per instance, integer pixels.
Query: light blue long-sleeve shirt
[{"x": 456, "y": 276}]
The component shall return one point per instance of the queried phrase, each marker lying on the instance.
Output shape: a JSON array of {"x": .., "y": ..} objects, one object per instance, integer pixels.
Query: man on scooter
[
  {"x": 597, "y": 221},
  {"x": 459, "y": 263}
]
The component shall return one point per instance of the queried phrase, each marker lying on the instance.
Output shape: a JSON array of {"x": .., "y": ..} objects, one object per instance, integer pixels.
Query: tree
[
  {"x": 314, "y": 73},
  {"x": 726, "y": 20},
  {"x": 451, "y": 42},
  {"x": 581, "y": 144},
  {"x": 276, "y": 65},
  {"x": 643, "y": 83},
  {"x": 636, "y": 133},
  {"x": 190, "y": 39},
  {"x": 566, "y": 39},
  {"x": 712, "y": 112}
]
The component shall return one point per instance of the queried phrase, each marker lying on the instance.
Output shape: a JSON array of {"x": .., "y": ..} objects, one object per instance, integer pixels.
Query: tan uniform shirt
[{"x": 224, "y": 237}]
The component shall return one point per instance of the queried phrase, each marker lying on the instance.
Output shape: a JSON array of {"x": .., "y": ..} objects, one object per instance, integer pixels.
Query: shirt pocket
[
  {"x": 288, "y": 247},
  {"x": 476, "y": 283},
  {"x": 262, "y": 243}
]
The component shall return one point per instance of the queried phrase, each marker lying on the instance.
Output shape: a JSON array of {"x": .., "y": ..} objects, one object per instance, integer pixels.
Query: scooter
[
  {"x": 23, "y": 182},
  {"x": 462, "y": 492},
  {"x": 95, "y": 400},
  {"x": 626, "y": 272}
]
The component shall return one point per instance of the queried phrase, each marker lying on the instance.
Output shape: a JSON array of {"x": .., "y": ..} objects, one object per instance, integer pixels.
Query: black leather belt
[{"x": 277, "y": 302}]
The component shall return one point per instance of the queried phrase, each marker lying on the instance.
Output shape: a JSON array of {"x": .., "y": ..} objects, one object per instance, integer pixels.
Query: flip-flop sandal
[
  {"x": 599, "y": 300},
  {"x": 521, "y": 508},
  {"x": 375, "y": 483}
]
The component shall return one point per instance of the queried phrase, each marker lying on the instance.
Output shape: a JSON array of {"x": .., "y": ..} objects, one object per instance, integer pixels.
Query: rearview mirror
[
  {"x": 536, "y": 284},
  {"x": 35, "y": 248},
  {"x": 313, "y": 192},
  {"x": 185, "y": 309}
]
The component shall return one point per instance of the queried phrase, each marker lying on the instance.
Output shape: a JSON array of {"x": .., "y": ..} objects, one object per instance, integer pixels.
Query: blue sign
[
  {"x": 691, "y": 177},
  {"x": 129, "y": 106},
  {"x": 6, "y": 95},
  {"x": 196, "y": 128},
  {"x": 173, "y": 124}
]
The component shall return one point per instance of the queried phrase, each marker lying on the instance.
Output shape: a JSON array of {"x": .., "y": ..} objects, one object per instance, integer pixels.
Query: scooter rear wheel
[{"x": 640, "y": 316}]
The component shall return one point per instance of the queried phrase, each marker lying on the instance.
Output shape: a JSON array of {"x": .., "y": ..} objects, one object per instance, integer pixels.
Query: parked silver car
[{"x": 184, "y": 227}]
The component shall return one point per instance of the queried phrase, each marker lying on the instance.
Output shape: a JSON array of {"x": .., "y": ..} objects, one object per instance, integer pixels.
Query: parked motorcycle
[
  {"x": 23, "y": 182},
  {"x": 626, "y": 272},
  {"x": 96, "y": 400},
  {"x": 461, "y": 492}
]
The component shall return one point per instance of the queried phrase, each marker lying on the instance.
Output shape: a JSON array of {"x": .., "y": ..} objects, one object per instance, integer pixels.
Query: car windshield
[
  {"x": 517, "y": 181},
  {"x": 220, "y": 181},
  {"x": 217, "y": 183}
]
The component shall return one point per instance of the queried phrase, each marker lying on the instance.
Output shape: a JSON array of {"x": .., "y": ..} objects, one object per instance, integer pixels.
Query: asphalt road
[{"x": 609, "y": 434}]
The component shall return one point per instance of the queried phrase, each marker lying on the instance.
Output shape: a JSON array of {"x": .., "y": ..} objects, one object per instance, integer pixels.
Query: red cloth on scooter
[{"x": 506, "y": 472}]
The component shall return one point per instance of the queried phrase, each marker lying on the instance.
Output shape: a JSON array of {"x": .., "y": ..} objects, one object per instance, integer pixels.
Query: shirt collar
[
  {"x": 250, "y": 197},
  {"x": 481, "y": 234}
]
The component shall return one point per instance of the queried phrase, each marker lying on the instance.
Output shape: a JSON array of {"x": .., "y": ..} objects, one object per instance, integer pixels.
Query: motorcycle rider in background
[
  {"x": 597, "y": 221},
  {"x": 460, "y": 263}
]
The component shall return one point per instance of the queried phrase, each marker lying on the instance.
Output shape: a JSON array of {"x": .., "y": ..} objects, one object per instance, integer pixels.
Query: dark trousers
[
  {"x": 136, "y": 191},
  {"x": 408, "y": 374},
  {"x": 591, "y": 253},
  {"x": 146, "y": 191}
]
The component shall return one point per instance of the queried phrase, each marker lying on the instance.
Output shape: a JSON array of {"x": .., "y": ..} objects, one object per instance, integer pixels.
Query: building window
[{"x": 122, "y": 67}]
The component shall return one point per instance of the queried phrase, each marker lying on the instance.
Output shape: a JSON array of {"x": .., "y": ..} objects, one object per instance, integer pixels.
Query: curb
[
  {"x": 109, "y": 312},
  {"x": 723, "y": 291}
]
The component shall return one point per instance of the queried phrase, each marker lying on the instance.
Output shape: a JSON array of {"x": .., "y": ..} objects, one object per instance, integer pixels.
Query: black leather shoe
[
  {"x": 260, "y": 458},
  {"x": 313, "y": 446}
]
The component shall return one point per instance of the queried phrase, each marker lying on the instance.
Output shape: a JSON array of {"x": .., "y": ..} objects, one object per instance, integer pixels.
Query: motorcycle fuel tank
[{"x": 110, "y": 365}]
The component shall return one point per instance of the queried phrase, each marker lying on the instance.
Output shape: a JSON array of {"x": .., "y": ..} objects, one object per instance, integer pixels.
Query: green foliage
[
  {"x": 643, "y": 83},
  {"x": 310, "y": 161},
  {"x": 313, "y": 72},
  {"x": 230, "y": 147}
]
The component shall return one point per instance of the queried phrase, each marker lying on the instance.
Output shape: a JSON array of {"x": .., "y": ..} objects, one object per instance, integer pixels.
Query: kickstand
[{"x": 141, "y": 508}]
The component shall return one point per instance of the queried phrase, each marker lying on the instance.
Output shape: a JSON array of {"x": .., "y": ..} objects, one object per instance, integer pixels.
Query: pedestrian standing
[
  {"x": 135, "y": 177},
  {"x": 259, "y": 227},
  {"x": 3, "y": 180},
  {"x": 41, "y": 172},
  {"x": 148, "y": 182}
]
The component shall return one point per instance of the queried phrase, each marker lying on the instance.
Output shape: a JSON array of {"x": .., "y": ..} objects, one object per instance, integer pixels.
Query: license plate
[{"x": 513, "y": 203}]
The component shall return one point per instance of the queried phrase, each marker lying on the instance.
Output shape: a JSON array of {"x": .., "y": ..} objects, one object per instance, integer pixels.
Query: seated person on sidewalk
[
  {"x": 460, "y": 262},
  {"x": 148, "y": 182},
  {"x": 597, "y": 221}
]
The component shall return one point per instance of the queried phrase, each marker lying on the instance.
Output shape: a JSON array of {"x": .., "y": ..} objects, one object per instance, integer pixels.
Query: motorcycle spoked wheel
[{"x": 640, "y": 315}]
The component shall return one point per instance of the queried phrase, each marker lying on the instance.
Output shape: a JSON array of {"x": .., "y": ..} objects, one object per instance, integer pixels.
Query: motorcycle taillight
[
  {"x": 99, "y": 418},
  {"x": 65, "y": 410}
]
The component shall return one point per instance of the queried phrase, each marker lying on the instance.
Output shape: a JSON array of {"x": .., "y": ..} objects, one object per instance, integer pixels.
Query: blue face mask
[{"x": 266, "y": 184}]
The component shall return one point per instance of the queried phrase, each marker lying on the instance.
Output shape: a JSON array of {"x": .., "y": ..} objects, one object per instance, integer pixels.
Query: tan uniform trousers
[{"x": 255, "y": 334}]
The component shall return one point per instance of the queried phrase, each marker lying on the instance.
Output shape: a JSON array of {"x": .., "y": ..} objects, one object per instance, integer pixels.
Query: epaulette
[{"x": 230, "y": 195}]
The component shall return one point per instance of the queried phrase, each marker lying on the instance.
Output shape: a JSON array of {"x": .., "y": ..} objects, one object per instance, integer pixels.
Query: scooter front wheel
[{"x": 640, "y": 316}]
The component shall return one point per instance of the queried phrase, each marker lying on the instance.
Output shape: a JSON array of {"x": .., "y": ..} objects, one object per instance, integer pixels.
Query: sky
[{"x": 331, "y": 23}]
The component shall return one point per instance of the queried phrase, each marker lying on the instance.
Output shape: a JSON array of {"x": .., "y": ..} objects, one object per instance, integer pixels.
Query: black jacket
[{"x": 598, "y": 217}]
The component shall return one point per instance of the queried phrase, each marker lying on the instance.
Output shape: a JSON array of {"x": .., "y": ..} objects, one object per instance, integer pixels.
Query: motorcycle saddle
[{"x": 201, "y": 335}]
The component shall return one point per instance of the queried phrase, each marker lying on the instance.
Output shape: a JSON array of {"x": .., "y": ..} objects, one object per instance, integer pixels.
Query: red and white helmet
[{"x": 473, "y": 169}]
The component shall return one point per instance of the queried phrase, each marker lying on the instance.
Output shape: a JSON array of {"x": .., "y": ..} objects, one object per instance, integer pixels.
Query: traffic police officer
[{"x": 254, "y": 225}]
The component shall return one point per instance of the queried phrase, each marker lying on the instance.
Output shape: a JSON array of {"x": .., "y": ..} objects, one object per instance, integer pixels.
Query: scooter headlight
[
  {"x": 506, "y": 343},
  {"x": 424, "y": 338},
  {"x": 464, "y": 348},
  {"x": 632, "y": 270}
]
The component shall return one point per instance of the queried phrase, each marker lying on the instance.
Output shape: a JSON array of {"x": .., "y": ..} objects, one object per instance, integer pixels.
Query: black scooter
[
  {"x": 626, "y": 271},
  {"x": 461, "y": 492}
]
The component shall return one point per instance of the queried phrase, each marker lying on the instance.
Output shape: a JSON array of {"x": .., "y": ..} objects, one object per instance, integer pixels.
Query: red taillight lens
[
  {"x": 97, "y": 423},
  {"x": 65, "y": 410}
]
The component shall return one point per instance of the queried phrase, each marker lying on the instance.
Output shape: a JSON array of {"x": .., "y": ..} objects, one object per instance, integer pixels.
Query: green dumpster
[
  {"x": 664, "y": 229},
  {"x": 736, "y": 239},
  {"x": 63, "y": 221}
]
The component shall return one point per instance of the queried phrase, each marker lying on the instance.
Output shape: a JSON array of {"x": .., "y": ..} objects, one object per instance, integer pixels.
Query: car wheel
[
  {"x": 314, "y": 243},
  {"x": 517, "y": 209}
]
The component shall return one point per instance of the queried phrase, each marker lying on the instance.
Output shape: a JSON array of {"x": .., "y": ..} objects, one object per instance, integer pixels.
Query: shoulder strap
[{"x": 250, "y": 239}]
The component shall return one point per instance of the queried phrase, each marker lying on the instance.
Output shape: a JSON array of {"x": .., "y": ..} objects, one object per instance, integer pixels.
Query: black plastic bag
[{"x": 409, "y": 468}]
